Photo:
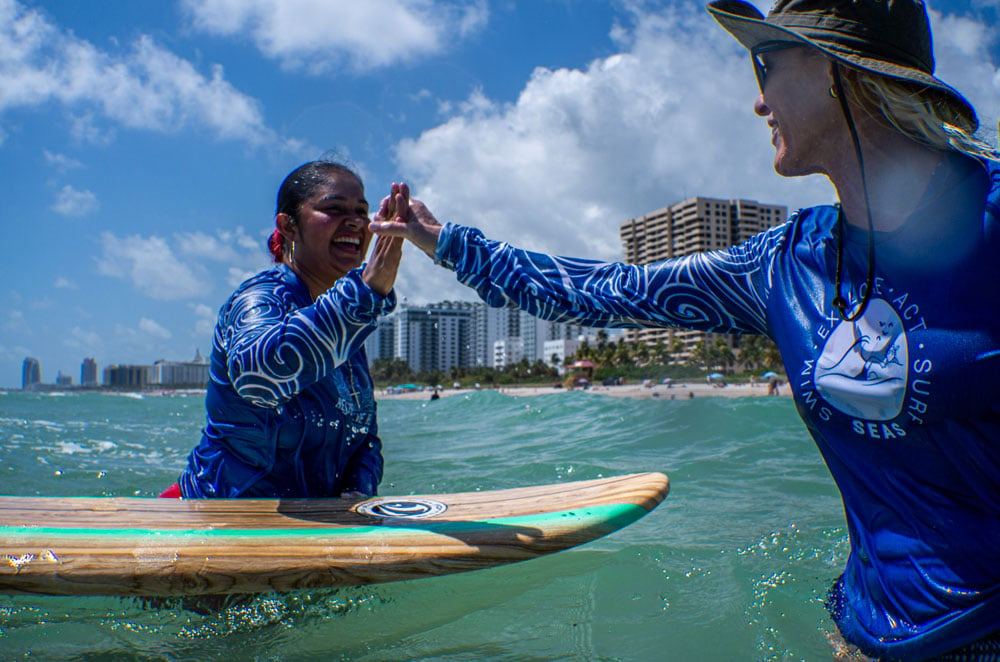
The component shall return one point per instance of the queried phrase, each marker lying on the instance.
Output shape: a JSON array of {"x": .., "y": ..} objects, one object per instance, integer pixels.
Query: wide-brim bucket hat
[{"x": 887, "y": 37}]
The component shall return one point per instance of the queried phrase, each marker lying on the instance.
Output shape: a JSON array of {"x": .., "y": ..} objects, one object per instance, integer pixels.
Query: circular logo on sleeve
[{"x": 401, "y": 507}]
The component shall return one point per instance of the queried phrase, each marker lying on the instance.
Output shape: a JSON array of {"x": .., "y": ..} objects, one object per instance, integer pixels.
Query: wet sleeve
[
  {"x": 722, "y": 291},
  {"x": 275, "y": 350}
]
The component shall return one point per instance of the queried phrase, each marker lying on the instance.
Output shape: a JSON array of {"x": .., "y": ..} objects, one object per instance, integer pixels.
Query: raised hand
[{"x": 383, "y": 265}]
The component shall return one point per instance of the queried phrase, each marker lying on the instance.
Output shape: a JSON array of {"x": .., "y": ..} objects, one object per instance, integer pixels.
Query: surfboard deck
[{"x": 141, "y": 546}]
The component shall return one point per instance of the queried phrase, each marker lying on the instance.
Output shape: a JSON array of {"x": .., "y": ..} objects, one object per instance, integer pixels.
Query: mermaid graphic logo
[{"x": 862, "y": 369}]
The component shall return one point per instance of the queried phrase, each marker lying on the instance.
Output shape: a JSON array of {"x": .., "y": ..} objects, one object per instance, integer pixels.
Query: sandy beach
[{"x": 673, "y": 391}]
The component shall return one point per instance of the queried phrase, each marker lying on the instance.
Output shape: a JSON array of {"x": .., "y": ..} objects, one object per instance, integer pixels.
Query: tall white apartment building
[
  {"x": 468, "y": 334},
  {"x": 508, "y": 351},
  {"x": 437, "y": 336}
]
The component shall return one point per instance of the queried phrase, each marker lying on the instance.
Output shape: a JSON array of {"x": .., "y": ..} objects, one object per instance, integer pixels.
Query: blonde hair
[{"x": 917, "y": 112}]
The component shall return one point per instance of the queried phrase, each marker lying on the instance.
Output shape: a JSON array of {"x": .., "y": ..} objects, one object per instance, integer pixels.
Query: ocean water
[{"x": 734, "y": 565}]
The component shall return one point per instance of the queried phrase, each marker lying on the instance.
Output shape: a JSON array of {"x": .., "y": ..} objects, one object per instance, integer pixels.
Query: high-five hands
[{"x": 401, "y": 216}]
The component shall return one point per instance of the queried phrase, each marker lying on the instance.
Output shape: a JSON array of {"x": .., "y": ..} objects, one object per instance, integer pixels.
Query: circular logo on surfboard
[{"x": 401, "y": 508}]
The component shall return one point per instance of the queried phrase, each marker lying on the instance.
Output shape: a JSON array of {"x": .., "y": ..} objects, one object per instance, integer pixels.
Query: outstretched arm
[{"x": 722, "y": 291}]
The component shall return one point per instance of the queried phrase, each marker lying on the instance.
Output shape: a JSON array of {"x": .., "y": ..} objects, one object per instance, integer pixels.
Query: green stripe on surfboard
[{"x": 613, "y": 516}]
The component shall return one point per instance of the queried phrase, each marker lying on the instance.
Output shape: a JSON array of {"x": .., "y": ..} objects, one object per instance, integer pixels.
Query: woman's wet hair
[
  {"x": 916, "y": 111},
  {"x": 299, "y": 186}
]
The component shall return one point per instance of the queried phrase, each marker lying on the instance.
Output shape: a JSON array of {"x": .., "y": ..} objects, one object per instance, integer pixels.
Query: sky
[{"x": 142, "y": 142}]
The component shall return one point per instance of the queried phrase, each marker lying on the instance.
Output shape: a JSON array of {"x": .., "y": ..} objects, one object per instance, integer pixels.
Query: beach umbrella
[
  {"x": 769, "y": 375},
  {"x": 716, "y": 375}
]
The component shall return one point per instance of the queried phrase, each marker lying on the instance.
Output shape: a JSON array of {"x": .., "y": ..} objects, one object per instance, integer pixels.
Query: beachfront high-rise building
[
  {"x": 537, "y": 332},
  {"x": 557, "y": 351},
  {"x": 508, "y": 351},
  {"x": 437, "y": 336},
  {"x": 131, "y": 377},
  {"x": 380, "y": 343},
  {"x": 492, "y": 325},
  {"x": 88, "y": 373},
  {"x": 463, "y": 334},
  {"x": 181, "y": 374},
  {"x": 692, "y": 226},
  {"x": 31, "y": 374}
]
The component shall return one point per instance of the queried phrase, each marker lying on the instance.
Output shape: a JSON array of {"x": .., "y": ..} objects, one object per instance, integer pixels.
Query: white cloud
[
  {"x": 15, "y": 322},
  {"x": 150, "y": 265},
  {"x": 63, "y": 283},
  {"x": 203, "y": 245},
  {"x": 236, "y": 275},
  {"x": 962, "y": 49},
  {"x": 13, "y": 354},
  {"x": 146, "y": 87},
  {"x": 60, "y": 162},
  {"x": 186, "y": 266},
  {"x": 70, "y": 202},
  {"x": 225, "y": 246},
  {"x": 87, "y": 342},
  {"x": 359, "y": 35},
  {"x": 240, "y": 254},
  {"x": 205, "y": 317},
  {"x": 154, "y": 329},
  {"x": 669, "y": 117},
  {"x": 85, "y": 128}
]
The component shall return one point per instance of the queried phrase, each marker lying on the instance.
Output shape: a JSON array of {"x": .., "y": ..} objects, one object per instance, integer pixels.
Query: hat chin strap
[{"x": 840, "y": 302}]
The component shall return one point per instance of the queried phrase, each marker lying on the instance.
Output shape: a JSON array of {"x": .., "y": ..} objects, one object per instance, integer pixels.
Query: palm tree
[
  {"x": 701, "y": 355},
  {"x": 641, "y": 352},
  {"x": 722, "y": 354},
  {"x": 751, "y": 351},
  {"x": 676, "y": 347},
  {"x": 660, "y": 353},
  {"x": 602, "y": 340}
]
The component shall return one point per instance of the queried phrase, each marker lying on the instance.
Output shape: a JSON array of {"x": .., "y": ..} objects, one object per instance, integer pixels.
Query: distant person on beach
[
  {"x": 290, "y": 402},
  {"x": 883, "y": 307}
]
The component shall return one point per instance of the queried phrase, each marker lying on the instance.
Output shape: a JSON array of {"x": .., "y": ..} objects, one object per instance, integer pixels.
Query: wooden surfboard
[{"x": 162, "y": 547}]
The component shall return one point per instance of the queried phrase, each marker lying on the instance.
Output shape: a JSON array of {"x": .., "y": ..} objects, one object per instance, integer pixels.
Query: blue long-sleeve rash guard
[
  {"x": 904, "y": 403},
  {"x": 290, "y": 404}
]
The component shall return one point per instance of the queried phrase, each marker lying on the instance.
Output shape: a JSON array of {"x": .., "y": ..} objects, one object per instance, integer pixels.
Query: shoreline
[
  {"x": 675, "y": 391},
  {"x": 685, "y": 390}
]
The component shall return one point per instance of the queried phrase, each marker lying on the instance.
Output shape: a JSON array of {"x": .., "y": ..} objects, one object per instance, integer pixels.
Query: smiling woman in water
[{"x": 290, "y": 405}]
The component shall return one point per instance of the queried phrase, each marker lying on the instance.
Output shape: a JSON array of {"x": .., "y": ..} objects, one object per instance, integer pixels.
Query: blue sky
[{"x": 142, "y": 141}]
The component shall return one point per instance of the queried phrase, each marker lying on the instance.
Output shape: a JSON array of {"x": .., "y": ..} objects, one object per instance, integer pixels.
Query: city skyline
[
  {"x": 447, "y": 334},
  {"x": 33, "y": 375},
  {"x": 142, "y": 145},
  {"x": 468, "y": 341}
]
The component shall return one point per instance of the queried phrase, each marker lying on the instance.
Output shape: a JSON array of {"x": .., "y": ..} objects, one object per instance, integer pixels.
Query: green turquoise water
[{"x": 734, "y": 565}]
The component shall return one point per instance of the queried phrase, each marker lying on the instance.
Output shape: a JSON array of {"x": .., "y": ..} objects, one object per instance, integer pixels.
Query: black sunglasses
[{"x": 759, "y": 67}]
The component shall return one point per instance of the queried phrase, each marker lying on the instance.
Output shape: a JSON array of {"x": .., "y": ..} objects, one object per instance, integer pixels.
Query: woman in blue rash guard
[
  {"x": 884, "y": 308},
  {"x": 290, "y": 403}
]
